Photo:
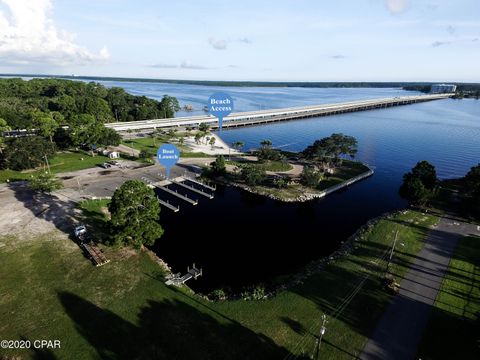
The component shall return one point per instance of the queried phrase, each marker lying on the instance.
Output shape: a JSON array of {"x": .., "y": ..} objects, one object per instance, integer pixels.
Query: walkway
[{"x": 399, "y": 331}]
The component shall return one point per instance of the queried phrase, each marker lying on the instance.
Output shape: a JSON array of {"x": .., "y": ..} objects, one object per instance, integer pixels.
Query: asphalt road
[{"x": 400, "y": 330}]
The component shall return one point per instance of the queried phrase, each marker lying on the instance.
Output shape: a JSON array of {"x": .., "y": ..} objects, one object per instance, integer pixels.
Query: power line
[{"x": 337, "y": 311}]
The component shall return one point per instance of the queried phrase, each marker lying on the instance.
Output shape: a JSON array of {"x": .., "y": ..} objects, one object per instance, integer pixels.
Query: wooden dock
[
  {"x": 179, "y": 279},
  {"x": 199, "y": 183},
  {"x": 168, "y": 205},
  {"x": 191, "y": 188},
  {"x": 175, "y": 193}
]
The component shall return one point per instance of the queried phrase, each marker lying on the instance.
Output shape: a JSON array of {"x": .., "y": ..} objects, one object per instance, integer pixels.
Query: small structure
[
  {"x": 114, "y": 155},
  {"x": 179, "y": 279}
]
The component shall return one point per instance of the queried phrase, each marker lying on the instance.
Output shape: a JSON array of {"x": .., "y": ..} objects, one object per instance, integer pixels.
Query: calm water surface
[{"x": 240, "y": 239}]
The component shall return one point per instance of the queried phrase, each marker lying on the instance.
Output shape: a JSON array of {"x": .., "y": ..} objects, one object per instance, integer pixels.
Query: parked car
[{"x": 105, "y": 165}]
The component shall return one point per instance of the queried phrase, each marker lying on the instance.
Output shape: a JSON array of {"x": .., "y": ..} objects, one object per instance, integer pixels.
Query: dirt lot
[
  {"x": 24, "y": 212},
  {"x": 27, "y": 213}
]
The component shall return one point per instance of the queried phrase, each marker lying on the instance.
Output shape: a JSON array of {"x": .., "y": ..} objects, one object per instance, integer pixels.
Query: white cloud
[
  {"x": 397, "y": 6},
  {"x": 28, "y": 36},
  {"x": 218, "y": 44}
]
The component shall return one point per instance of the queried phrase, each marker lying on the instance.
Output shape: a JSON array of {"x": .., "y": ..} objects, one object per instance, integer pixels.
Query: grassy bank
[
  {"x": 453, "y": 328},
  {"x": 123, "y": 310}
]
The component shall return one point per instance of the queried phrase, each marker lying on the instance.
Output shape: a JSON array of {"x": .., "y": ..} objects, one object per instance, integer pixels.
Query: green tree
[
  {"x": 45, "y": 182},
  {"x": 253, "y": 175},
  {"x": 44, "y": 123},
  {"x": 419, "y": 185},
  {"x": 472, "y": 178},
  {"x": 98, "y": 108},
  {"x": 266, "y": 143},
  {"x": 413, "y": 190},
  {"x": 327, "y": 151},
  {"x": 108, "y": 137},
  {"x": 135, "y": 213},
  {"x": 310, "y": 176},
  {"x": 198, "y": 137},
  {"x": 426, "y": 173},
  {"x": 169, "y": 105},
  {"x": 218, "y": 166},
  {"x": 87, "y": 131},
  {"x": 27, "y": 152},
  {"x": 281, "y": 182},
  {"x": 212, "y": 141},
  {"x": 266, "y": 152},
  {"x": 204, "y": 127},
  {"x": 238, "y": 145},
  {"x": 472, "y": 187},
  {"x": 3, "y": 128}
]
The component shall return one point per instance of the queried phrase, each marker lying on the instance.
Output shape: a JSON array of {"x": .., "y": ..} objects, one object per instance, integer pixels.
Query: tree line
[
  {"x": 61, "y": 114},
  {"x": 421, "y": 186}
]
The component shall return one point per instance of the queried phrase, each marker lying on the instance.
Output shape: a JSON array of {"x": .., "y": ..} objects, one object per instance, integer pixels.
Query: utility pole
[
  {"x": 320, "y": 336},
  {"x": 46, "y": 161},
  {"x": 391, "y": 251}
]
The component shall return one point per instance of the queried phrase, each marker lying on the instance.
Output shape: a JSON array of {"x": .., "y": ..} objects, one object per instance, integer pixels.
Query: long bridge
[{"x": 274, "y": 115}]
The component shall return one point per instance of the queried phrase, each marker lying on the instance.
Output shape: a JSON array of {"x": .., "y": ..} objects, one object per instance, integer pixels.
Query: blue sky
[{"x": 294, "y": 40}]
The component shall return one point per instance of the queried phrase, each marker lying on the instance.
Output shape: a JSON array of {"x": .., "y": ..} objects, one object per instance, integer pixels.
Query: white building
[
  {"x": 443, "y": 88},
  {"x": 114, "y": 155}
]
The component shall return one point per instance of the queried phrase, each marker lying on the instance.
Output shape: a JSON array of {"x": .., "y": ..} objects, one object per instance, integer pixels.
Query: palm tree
[
  {"x": 237, "y": 145},
  {"x": 266, "y": 143},
  {"x": 204, "y": 127}
]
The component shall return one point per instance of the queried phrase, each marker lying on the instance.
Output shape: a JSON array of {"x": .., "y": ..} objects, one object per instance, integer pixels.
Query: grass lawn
[
  {"x": 453, "y": 328},
  {"x": 346, "y": 171},
  {"x": 123, "y": 310},
  {"x": 12, "y": 175},
  {"x": 151, "y": 146},
  {"x": 275, "y": 166},
  {"x": 71, "y": 161},
  {"x": 61, "y": 162},
  {"x": 145, "y": 143}
]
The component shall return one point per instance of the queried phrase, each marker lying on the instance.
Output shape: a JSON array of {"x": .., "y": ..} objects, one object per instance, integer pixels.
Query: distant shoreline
[{"x": 304, "y": 84}]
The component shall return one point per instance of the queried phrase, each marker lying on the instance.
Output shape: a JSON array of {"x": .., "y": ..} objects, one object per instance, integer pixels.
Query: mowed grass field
[
  {"x": 151, "y": 145},
  {"x": 61, "y": 162},
  {"x": 123, "y": 310},
  {"x": 454, "y": 327}
]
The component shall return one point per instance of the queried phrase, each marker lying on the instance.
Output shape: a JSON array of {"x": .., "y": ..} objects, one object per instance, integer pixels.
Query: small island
[{"x": 322, "y": 168}]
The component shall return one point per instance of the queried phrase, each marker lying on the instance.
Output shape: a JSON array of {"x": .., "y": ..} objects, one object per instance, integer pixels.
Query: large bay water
[
  {"x": 252, "y": 98},
  {"x": 240, "y": 239}
]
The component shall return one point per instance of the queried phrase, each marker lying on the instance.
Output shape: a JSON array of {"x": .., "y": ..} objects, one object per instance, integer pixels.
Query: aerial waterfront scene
[{"x": 224, "y": 180}]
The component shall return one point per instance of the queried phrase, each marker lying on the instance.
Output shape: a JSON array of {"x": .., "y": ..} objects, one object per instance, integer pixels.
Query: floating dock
[
  {"x": 175, "y": 193},
  {"x": 199, "y": 183},
  {"x": 168, "y": 205},
  {"x": 191, "y": 188}
]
